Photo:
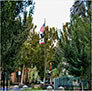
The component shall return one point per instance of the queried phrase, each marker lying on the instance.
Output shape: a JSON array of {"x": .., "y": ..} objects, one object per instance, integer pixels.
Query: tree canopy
[
  {"x": 13, "y": 30},
  {"x": 32, "y": 52},
  {"x": 75, "y": 43}
]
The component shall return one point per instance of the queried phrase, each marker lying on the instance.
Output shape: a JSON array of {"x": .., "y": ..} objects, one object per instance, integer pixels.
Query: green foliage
[
  {"x": 74, "y": 46},
  {"x": 50, "y": 41},
  {"x": 13, "y": 32},
  {"x": 32, "y": 53},
  {"x": 55, "y": 73},
  {"x": 33, "y": 75},
  {"x": 76, "y": 51}
]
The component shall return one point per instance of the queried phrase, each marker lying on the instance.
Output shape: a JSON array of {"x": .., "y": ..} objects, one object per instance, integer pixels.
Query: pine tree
[{"x": 75, "y": 45}]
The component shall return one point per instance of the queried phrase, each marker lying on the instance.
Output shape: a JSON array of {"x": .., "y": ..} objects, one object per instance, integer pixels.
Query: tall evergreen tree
[
  {"x": 75, "y": 43},
  {"x": 13, "y": 31}
]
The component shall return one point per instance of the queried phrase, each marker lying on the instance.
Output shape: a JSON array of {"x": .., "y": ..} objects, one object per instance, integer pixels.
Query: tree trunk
[
  {"x": 3, "y": 75},
  {"x": 90, "y": 81},
  {"x": 22, "y": 75},
  {"x": 0, "y": 72},
  {"x": 0, "y": 75},
  {"x": 82, "y": 86}
]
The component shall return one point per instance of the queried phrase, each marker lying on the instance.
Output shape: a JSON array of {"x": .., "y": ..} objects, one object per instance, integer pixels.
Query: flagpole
[
  {"x": 44, "y": 57},
  {"x": 44, "y": 64},
  {"x": 42, "y": 41}
]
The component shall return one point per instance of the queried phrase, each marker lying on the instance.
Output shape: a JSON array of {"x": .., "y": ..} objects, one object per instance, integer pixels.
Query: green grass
[{"x": 30, "y": 89}]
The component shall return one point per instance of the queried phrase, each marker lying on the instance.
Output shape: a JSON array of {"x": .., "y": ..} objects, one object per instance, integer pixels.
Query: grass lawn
[
  {"x": 29, "y": 89},
  {"x": 33, "y": 90},
  {"x": 39, "y": 90}
]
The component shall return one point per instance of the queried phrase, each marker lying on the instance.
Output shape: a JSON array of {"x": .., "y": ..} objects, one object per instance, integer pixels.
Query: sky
[{"x": 56, "y": 12}]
